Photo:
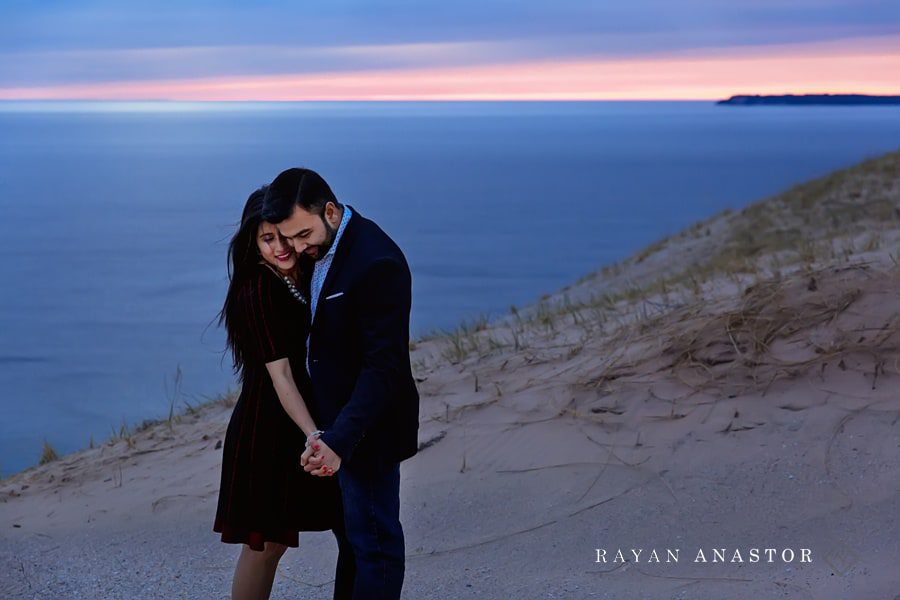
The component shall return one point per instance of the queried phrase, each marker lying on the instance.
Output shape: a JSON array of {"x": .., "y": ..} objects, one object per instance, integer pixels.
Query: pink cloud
[{"x": 865, "y": 66}]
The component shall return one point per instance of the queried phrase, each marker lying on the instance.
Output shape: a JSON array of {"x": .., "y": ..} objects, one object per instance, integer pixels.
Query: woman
[{"x": 265, "y": 496}]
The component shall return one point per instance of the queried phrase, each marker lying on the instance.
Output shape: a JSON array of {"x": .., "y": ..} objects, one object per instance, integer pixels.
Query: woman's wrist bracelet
[{"x": 314, "y": 435}]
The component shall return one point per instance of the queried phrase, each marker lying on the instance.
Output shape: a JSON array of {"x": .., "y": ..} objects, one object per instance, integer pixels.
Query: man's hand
[{"x": 320, "y": 460}]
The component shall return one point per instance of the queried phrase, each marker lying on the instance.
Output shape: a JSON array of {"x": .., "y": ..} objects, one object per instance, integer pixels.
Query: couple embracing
[{"x": 317, "y": 321}]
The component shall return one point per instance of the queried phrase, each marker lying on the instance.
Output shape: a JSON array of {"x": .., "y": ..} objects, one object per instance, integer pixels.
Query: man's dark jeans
[{"x": 370, "y": 491}]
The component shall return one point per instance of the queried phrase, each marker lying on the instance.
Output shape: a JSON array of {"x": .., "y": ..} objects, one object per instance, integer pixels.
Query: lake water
[{"x": 115, "y": 220}]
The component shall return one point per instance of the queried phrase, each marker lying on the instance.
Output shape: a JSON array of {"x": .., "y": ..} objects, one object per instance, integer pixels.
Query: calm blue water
[{"x": 114, "y": 222}]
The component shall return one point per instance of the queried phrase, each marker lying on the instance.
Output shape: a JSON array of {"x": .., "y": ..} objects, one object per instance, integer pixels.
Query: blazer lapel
[{"x": 340, "y": 255}]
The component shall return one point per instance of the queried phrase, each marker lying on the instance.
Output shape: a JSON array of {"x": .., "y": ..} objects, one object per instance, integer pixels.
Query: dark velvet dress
[{"x": 264, "y": 494}]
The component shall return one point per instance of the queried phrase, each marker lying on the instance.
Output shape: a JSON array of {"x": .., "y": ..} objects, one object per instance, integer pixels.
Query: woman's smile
[{"x": 274, "y": 248}]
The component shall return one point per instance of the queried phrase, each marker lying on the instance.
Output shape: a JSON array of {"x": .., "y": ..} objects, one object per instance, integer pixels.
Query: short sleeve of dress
[{"x": 268, "y": 328}]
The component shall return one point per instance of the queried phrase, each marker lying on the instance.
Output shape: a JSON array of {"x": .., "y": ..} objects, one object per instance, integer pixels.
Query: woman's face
[{"x": 274, "y": 248}]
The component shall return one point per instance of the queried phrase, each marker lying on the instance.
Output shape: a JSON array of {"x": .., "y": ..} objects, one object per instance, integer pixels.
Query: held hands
[{"x": 320, "y": 460}]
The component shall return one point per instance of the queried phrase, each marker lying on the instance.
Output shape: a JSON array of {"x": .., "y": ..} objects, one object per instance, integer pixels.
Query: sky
[{"x": 459, "y": 50}]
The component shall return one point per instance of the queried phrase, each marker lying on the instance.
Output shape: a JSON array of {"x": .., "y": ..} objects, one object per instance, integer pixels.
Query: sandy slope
[{"x": 735, "y": 386}]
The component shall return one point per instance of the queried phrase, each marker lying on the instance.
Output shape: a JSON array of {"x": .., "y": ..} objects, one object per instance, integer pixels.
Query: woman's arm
[{"x": 289, "y": 395}]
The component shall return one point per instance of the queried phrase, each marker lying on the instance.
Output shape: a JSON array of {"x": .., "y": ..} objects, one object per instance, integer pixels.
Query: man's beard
[{"x": 330, "y": 233}]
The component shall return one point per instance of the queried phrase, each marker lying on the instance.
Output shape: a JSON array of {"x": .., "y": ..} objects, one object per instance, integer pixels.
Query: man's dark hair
[{"x": 302, "y": 187}]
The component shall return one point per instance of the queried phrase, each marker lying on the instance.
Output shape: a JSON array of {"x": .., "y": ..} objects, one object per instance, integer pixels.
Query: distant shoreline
[{"x": 812, "y": 100}]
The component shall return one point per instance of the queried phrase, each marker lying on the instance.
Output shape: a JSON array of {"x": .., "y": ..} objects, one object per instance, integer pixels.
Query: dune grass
[
  {"x": 48, "y": 454},
  {"x": 129, "y": 433},
  {"x": 807, "y": 226}
]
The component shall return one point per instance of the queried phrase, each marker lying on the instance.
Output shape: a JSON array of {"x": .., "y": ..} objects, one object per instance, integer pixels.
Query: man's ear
[{"x": 330, "y": 209}]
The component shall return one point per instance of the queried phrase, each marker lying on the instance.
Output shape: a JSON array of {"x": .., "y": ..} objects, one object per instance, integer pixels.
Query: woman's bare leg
[{"x": 255, "y": 572}]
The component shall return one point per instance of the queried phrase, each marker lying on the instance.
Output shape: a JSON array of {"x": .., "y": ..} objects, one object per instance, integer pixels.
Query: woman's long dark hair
[{"x": 243, "y": 254}]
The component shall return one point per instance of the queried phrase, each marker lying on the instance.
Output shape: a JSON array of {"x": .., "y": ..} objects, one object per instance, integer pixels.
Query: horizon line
[{"x": 427, "y": 100}]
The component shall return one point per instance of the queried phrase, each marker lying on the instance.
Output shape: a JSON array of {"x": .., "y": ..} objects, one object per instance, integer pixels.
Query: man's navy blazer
[{"x": 364, "y": 392}]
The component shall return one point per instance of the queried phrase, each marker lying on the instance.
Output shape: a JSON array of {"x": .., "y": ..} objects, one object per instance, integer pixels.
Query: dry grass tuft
[
  {"x": 48, "y": 454},
  {"x": 777, "y": 328}
]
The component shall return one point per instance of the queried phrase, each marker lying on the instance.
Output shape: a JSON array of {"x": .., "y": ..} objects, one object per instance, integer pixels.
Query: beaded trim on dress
[{"x": 296, "y": 293}]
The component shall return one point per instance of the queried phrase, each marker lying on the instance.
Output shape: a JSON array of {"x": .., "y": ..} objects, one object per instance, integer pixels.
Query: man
[{"x": 358, "y": 360}]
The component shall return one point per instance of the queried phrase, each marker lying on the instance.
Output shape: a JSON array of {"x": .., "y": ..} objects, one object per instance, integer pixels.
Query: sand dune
[{"x": 733, "y": 387}]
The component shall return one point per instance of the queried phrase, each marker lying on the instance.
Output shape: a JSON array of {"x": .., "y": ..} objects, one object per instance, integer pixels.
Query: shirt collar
[{"x": 337, "y": 236}]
